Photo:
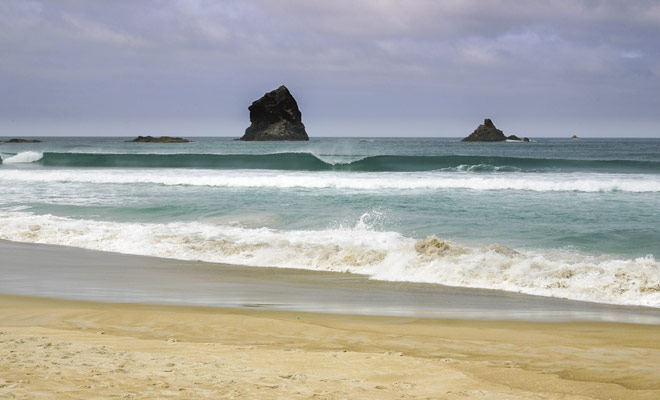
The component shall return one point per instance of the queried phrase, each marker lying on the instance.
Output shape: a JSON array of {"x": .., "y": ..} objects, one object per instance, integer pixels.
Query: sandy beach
[{"x": 73, "y": 350}]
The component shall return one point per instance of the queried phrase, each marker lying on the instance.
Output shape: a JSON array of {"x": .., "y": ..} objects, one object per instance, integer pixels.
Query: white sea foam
[
  {"x": 380, "y": 255},
  {"x": 23, "y": 157},
  {"x": 539, "y": 182},
  {"x": 331, "y": 159}
]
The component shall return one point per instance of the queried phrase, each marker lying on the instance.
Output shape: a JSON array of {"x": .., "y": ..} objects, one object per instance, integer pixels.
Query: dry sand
[{"x": 60, "y": 349}]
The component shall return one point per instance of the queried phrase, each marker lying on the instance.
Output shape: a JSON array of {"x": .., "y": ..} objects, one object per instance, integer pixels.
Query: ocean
[{"x": 575, "y": 219}]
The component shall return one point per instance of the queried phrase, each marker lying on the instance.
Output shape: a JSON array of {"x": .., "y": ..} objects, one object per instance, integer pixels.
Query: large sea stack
[
  {"x": 486, "y": 133},
  {"x": 275, "y": 116}
]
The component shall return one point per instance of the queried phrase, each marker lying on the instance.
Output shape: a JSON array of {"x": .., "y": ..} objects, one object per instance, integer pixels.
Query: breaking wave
[
  {"x": 431, "y": 180},
  {"x": 314, "y": 162},
  {"x": 380, "y": 255},
  {"x": 23, "y": 157}
]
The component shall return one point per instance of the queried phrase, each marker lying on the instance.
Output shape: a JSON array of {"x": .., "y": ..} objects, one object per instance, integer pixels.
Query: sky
[{"x": 356, "y": 67}]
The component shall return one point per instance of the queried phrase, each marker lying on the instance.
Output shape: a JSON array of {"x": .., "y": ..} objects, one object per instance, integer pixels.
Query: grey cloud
[{"x": 357, "y": 61}]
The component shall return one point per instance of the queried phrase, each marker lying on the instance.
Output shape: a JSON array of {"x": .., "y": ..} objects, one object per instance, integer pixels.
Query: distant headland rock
[
  {"x": 486, "y": 133},
  {"x": 275, "y": 117},
  {"x": 162, "y": 139},
  {"x": 575, "y": 137},
  {"x": 22, "y": 141}
]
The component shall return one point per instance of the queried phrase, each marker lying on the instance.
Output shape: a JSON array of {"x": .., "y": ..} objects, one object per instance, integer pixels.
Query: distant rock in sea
[
  {"x": 274, "y": 117},
  {"x": 574, "y": 137},
  {"x": 514, "y": 137},
  {"x": 22, "y": 141},
  {"x": 162, "y": 139},
  {"x": 486, "y": 133}
]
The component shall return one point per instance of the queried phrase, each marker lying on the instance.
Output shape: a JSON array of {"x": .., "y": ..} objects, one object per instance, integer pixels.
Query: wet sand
[{"x": 66, "y": 349}]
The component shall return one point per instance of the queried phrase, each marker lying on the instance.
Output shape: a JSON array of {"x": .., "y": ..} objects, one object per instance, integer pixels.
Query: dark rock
[
  {"x": 574, "y": 137},
  {"x": 514, "y": 137},
  {"x": 486, "y": 133},
  {"x": 275, "y": 116},
  {"x": 162, "y": 139},
  {"x": 22, "y": 141}
]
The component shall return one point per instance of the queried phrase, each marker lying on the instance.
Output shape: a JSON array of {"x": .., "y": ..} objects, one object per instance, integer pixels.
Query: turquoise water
[{"x": 557, "y": 217}]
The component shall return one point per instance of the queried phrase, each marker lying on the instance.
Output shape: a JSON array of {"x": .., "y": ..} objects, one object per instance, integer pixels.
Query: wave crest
[
  {"x": 355, "y": 163},
  {"x": 23, "y": 157}
]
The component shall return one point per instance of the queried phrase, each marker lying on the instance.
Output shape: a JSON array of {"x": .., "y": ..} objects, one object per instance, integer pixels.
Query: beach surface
[
  {"x": 64, "y": 349},
  {"x": 120, "y": 326}
]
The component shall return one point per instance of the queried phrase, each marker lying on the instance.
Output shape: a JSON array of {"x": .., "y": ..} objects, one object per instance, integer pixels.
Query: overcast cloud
[{"x": 360, "y": 67}]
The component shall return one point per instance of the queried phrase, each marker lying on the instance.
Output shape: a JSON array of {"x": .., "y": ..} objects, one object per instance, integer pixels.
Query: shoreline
[
  {"x": 70, "y": 349},
  {"x": 79, "y": 274}
]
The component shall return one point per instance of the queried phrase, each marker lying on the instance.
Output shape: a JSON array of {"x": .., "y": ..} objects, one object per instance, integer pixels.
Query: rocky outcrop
[
  {"x": 275, "y": 116},
  {"x": 574, "y": 137},
  {"x": 514, "y": 137},
  {"x": 486, "y": 133},
  {"x": 162, "y": 139},
  {"x": 22, "y": 141}
]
